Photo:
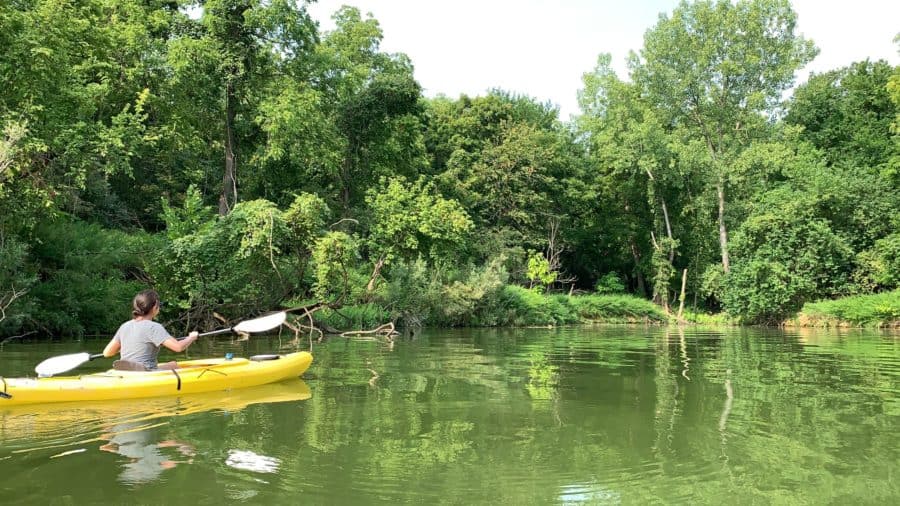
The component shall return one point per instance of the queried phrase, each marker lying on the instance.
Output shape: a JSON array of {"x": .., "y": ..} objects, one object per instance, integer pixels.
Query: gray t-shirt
[{"x": 140, "y": 341}]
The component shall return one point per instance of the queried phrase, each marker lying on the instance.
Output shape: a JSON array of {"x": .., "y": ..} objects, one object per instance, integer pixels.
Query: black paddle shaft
[{"x": 211, "y": 333}]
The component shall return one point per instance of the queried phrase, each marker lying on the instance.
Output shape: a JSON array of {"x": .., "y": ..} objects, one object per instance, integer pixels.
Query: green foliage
[
  {"x": 539, "y": 270},
  {"x": 723, "y": 61},
  {"x": 88, "y": 276},
  {"x": 784, "y": 257},
  {"x": 523, "y": 307},
  {"x": 714, "y": 70},
  {"x": 334, "y": 255},
  {"x": 617, "y": 308},
  {"x": 354, "y": 317},
  {"x": 419, "y": 294},
  {"x": 10, "y": 138},
  {"x": 242, "y": 262},
  {"x": 189, "y": 217},
  {"x": 891, "y": 171},
  {"x": 879, "y": 267},
  {"x": 712, "y": 282},
  {"x": 412, "y": 293},
  {"x": 306, "y": 219},
  {"x": 714, "y": 319},
  {"x": 408, "y": 219},
  {"x": 119, "y": 112},
  {"x": 877, "y": 310},
  {"x": 506, "y": 160},
  {"x": 847, "y": 113},
  {"x": 468, "y": 301},
  {"x": 15, "y": 282},
  {"x": 609, "y": 284},
  {"x": 663, "y": 270}
]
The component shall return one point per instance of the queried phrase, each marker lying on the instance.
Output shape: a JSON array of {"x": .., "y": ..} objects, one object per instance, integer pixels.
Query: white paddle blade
[
  {"x": 261, "y": 324},
  {"x": 60, "y": 364}
]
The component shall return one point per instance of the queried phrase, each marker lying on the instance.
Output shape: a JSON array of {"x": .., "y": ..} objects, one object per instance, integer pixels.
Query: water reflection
[
  {"x": 129, "y": 428},
  {"x": 145, "y": 451},
  {"x": 246, "y": 460},
  {"x": 621, "y": 415}
]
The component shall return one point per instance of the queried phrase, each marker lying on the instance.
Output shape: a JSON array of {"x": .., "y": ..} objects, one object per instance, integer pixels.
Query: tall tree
[
  {"x": 253, "y": 40},
  {"x": 375, "y": 105},
  {"x": 714, "y": 70},
  {"x": 635, "y": 165}
]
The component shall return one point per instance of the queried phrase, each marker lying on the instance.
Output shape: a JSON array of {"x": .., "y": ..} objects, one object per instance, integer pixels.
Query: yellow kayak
[{"x": 193, "y": 376}]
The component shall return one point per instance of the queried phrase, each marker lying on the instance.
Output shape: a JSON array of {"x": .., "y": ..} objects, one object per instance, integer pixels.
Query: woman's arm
[
  {"x": 179, "y": 346},
  {"x": 112, "y": 348}
]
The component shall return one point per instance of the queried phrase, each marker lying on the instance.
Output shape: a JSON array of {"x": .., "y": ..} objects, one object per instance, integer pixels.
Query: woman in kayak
[{"x": 139, "y": 339}]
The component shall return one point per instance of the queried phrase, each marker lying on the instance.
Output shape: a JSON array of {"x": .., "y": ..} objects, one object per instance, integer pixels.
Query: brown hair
[{"x": 144, "y": 302}]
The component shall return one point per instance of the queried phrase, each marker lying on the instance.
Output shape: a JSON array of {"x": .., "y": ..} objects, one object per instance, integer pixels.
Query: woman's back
[{"x": 140, "y": 341}]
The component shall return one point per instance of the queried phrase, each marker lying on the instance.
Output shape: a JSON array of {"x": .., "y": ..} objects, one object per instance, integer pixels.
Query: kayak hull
[{"x": 193, "y": 376}]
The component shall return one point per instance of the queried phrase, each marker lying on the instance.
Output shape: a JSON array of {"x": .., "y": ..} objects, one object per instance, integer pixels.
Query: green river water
[{"x": 580, "y": 415}]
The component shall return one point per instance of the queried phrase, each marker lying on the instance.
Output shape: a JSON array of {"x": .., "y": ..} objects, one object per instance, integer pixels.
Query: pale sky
[{"x": 541, "y": 48}]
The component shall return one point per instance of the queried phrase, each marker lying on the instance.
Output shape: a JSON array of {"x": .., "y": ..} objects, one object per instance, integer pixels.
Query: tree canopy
[{"x": 236, "y": 157}]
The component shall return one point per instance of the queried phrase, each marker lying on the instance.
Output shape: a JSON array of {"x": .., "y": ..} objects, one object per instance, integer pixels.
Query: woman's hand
[{"x": 179, "y": 346}]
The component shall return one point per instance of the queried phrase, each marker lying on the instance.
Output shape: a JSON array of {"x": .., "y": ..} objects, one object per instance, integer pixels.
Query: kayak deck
[{"x": 193, "y": 376}]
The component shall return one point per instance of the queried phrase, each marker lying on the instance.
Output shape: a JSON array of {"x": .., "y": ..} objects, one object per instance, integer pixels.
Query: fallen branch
[
  {"x": 300, "y": 328},
  {"x": 7, "y": 299},
  {"x": 386, "y": 330},
  {"x": 10, "y": 338}
]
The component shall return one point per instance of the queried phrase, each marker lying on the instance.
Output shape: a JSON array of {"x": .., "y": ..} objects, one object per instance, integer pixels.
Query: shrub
[
  {"x": 617, "y": 308},
  {"x": 247, "y": 261},
  {"x": 783, "y": 257},
  {"x": 609, "y": 283},
  {"x": 879, "y": 267},
  {"x": 354, "y": 317}
]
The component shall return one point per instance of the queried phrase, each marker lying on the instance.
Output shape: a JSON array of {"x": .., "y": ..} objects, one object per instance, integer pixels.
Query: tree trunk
[
  {"x": 681, "y": 298},
  {"x": 228, "y": 198},
  {"x": 723, "y": 232},
  {"x": 641, "y": 288},
  {"x": 375, "y": 272},
  {"x": 346, "y": 169}
]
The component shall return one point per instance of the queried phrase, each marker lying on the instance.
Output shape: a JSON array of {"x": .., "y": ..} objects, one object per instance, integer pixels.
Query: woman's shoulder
[
  {"x": 148, "y": 324},
  {"x": 141, "y": 324}
]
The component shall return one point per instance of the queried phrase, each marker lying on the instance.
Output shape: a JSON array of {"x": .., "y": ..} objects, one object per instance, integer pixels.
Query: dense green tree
[
  {"x": 847, "y": 113},
  {"x": 511, "y": 165},
  {"x": 77, "y": 74},
  {"x": 636, "y": 168},
  {"x": 250, "y": 41},
  {"x": 249, "y": 260},
  {"x": 374, "y": 101},
  {"x": 412, "y": 219}
]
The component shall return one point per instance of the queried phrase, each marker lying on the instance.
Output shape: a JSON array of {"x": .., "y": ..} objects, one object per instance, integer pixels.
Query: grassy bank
[
  {"x": 878, "y": 310},
  {"x": 510, "y": 306}
]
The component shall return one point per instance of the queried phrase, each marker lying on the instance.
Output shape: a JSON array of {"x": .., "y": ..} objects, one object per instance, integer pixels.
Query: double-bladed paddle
[{"x": 56, "y": 365}]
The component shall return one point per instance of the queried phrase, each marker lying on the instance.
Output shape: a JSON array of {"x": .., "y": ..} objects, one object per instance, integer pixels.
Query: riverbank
[
  {"x": 510, "y": 306},
  {"x": 880, "y": 310},
  {"x": 515, "y": 306}
]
